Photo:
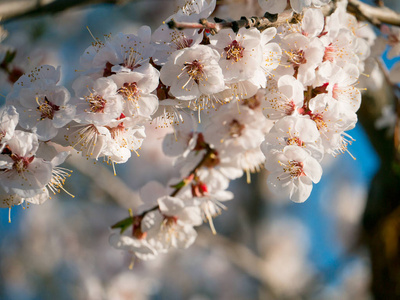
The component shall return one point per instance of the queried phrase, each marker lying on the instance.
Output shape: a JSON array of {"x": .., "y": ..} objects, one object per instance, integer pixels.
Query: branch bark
[
  {"x": 375, "y": 15},
  {"x": 257, "y": 22},
  {"x": 17, "y": 9},
  {"x": 105, "y": 180}
]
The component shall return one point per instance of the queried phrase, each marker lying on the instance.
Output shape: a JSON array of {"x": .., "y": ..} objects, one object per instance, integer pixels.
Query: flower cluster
[
  {"x": 281, "y": 97},
  {"x": 36, "y": 109}
]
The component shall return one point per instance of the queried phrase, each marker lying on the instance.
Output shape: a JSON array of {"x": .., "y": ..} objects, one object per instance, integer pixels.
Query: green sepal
[
  {"x": 10, "y": 55},
  {"x": 123, "y": 224},
  {"x": 179, "y": 185}
]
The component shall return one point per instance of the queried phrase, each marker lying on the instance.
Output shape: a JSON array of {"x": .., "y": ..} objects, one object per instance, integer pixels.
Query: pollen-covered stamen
[
  {"x": 344, "y": 142},
  {"x": 190, "y": 7},
  {"x": 330, "y": 53},
  {"x": 21, "y": 163},
  {"x": 296, "y": 57},
  {"x": 294, "y": 141},
  {"x": 234, "y": 51},
  {"x": 117, "y": 131},
  {"x": 85, "y": 137},
  {"x": 289, "y": 107},
  {"x": 319, "y": 121},
  {"x": 97, "y": 44},
  {"x": 56, "y": 184},
  {"x": 195, "y": 71},
  {"x": 9, "y": 200},
  {"x": 169, "y": 221},
  {"x": 285, "y": 105},
  {"x": 252, "y": 102},
  {"x": 96, "y": 103},
  {"x": 179, "y": 39},
  {"x": 235, "y": 128},
  {"x": 293, "y": 168},
  {"x": 129, "y": 90},
  {"x": 47, "y": 109},
  {"x": 133, "y": 59}
]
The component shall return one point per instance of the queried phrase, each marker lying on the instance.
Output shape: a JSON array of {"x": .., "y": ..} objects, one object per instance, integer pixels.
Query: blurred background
[{"x": 342, "y": 243}]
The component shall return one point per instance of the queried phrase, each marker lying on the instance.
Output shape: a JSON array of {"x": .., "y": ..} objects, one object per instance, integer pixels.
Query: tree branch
[
  {"x": 17, "y": 9},
  {"x": 373, "y": 14},
  {"x": 240, "y": 256},
  {"x": 106, "y": 181},
  {"x": 257, "y": 22}
]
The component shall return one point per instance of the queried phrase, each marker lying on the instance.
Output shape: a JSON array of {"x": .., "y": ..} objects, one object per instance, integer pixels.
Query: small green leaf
[
  {"x": 10, "y": 55},
  {"x": 179, "y": 185},
  {"x": 123, "y": 224}
]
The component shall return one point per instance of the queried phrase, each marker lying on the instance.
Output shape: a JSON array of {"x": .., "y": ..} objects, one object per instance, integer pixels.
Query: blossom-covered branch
[{"x": 260, "y": 23}]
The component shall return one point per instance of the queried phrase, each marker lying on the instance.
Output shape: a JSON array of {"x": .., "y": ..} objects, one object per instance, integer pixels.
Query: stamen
[{"x": 234, "y": 51}]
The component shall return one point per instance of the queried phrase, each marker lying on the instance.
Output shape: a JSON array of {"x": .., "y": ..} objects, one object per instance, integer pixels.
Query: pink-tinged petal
[
  {"x": 141, "y": 248},
  {"x": 151, "y": 223},
  {"x": 148, "y": 105},
  {"x": 9, "y": 200},
  {"x": 6, "y": 162},
  {"x": 313, "y": 22},
  {"x": 292, "y": 89},
  {"x": 301, "y": 190},
  {"x": 190, "y": 215},
  {"x": 295, "y": 153},
  {"x": 64, "y": 116},
  {"x": 39, "y": 198},
  {"x": 268, "y": 34},
  {"x": 184, "y": 237},
  {"x": 170, "y": 206},
  {"x": 185, "y": 88},
  {"x": 45, "y": 130},
  {"x": 24, "y": 144},
  {"x": 223, "y": 38},
  {"x": 279, "y": 183},
  {"x": 58, "y": 95},
  {"x": 312, "y": 169},
  {"x": 30, "y": 182},
  {"x": 122, "y": 77},
  {"x": 249, "y": 38}
]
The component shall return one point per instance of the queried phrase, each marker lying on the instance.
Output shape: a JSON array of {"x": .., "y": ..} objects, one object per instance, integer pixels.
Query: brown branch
[
  {"x": 373, "y": 14},
  {"x": 105, "y": 180},
  {"x": 260, "y": 23},
  {"x": 16, "y": 9},
  {"x": 210, "y": 154},
  {"x": 240, "y": 256}
]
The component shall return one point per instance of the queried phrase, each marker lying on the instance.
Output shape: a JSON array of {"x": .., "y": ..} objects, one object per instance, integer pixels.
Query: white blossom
[
  {"x": 191, "y": 72},
  {"x": 292, "y": 172}
]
